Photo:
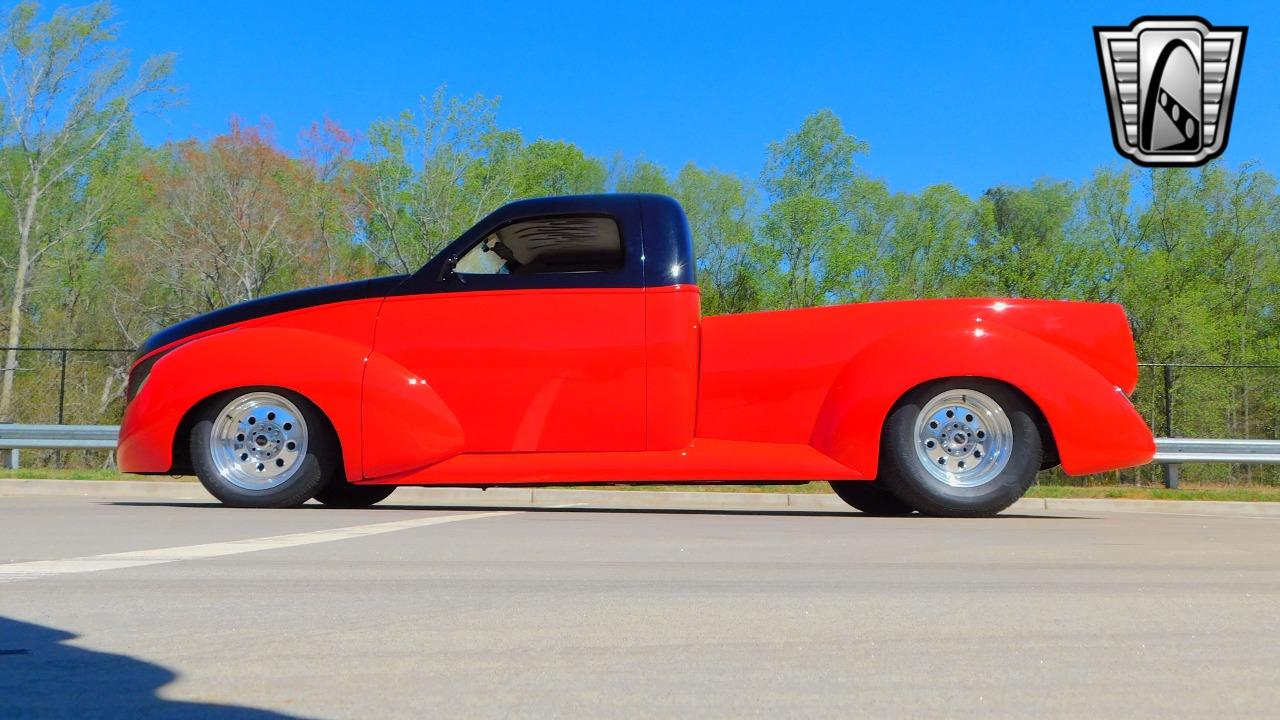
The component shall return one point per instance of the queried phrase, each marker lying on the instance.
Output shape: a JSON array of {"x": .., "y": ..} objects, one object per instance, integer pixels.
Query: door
[{"x": 535, "y": 339}]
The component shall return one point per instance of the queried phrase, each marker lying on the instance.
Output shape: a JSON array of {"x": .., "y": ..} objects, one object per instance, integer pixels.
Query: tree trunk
[
  {"x": 21, "y": 272},
  {"x": 14, "y": 335}
]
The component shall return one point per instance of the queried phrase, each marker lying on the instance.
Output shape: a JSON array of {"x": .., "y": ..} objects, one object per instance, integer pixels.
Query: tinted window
[{"x": 547, "y": 245}]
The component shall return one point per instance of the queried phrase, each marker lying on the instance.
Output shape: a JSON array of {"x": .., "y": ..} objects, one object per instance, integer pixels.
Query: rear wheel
[
  {"x": 964, "y": 447},
  {"x": 263, "y": 448},
  {"x": 870, "y": 497},
  {"x": 341, "y": 493}
]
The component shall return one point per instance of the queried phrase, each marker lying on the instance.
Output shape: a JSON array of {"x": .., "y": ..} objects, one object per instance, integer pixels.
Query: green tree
[
  {"x": 718, "y": 207},
  {"x": 431, "y": 174},
  {"x": 553, "y": 167},
  {"x": 67, "y": 94},
  {"x": 642, "y": 176},
  {"x": 226, "y": 221},
  {"x": 805, "y": 253},
  {"x": 922, "y": 242},
  {"x": 1025, "y": 244}
]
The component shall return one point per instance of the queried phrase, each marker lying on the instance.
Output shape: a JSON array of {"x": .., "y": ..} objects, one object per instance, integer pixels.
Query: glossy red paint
[
  {"x": 528, "y": 370},
  {"x": 828, "y": 376},
  {"x": 673, "y": 335},
  {"x": 334, "y": 339},
  {"x": 631, "y": 384},
  {"x": 700, "y": 461}
]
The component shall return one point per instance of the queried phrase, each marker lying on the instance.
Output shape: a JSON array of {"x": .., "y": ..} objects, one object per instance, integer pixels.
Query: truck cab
[{"x": 556, "y": 324}]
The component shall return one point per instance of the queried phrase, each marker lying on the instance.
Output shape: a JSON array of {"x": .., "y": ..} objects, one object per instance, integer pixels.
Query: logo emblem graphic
[{"x": 1170, "y": 84}]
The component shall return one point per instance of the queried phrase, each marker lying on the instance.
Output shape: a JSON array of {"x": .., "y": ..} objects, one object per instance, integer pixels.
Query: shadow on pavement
[
  {"x": 41, "y": 676},
  {"x": 592, "y": 509}
]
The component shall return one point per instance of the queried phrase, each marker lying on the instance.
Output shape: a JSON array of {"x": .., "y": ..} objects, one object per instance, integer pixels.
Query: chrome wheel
[
  {"x": 963, "y": 438},
  {"x": 258, "y": 441}
]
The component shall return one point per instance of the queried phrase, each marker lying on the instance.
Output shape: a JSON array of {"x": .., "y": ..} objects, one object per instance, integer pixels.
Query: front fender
[
  {"x": 1094, "y": 425},
  {"x": 325, "y": 368},
  {"x": 407, "y": 425}
]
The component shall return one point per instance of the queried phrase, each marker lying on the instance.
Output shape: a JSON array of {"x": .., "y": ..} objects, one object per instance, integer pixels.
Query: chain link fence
[
  {"x": 73, "y": 386},
  {"x": 1211, "y": 400},
  {"x": 86, "y": 386}
]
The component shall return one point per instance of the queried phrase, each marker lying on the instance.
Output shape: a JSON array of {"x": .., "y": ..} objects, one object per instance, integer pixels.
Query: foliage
[{"x": 67, "y": 102}]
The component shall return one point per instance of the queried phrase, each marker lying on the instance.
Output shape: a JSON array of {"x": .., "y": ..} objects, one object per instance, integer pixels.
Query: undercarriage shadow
[{"x": 597, "y": 509}]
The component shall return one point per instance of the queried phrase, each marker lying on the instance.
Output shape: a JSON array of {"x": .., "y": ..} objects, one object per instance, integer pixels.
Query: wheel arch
[
  {"x": 1037, "y": 415},
  {"x": 1071, "y": 398},
  {"x": 182, "y": 434},
  {"x": 158, "y": 420}
]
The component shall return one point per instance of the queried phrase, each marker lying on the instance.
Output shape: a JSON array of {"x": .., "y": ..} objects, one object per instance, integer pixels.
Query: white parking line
[{"x": 44, "y": 568}]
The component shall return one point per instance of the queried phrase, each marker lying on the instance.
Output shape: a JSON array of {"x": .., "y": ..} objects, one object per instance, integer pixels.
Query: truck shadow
[
  {"x": 42, "y": 676},
  {"x": 597, "y": 509}
]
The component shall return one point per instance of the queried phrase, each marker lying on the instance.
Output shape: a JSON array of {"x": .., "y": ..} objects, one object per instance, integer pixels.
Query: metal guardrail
[
  {"x": 1170, "y": 452},
  {"x": 1187, "y": 450},
  {"x": 15, "y": 437}
]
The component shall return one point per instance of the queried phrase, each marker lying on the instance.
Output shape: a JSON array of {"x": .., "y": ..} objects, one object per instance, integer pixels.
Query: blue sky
[{"x": 976, "y": 96}]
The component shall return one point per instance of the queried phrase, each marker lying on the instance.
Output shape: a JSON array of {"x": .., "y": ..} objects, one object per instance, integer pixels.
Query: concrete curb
[
  {"x": 1181, "y": 507},
  {"x": 543, "y": 497},
  {"x": 105, "y": 488}
]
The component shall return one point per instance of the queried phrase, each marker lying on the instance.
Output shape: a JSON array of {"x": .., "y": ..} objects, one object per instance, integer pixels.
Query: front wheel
[
  {"x": 964, "y": 447},
  {"x": 263, "y": 448}
]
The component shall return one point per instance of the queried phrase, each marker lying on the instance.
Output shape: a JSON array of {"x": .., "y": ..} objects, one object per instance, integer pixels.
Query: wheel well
[
  {"x": 1051, "y": 458},
  {"x": 181, "y": 437}
]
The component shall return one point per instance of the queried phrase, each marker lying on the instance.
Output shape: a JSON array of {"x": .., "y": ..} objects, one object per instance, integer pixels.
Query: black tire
[
  {"x": 342, "y": 494},
  {"x": 303, "y": 478},
  {"x": 903, "y": 471},
  {"x": 870, "y": 497},
  {"x": 1050, "y": 459}
]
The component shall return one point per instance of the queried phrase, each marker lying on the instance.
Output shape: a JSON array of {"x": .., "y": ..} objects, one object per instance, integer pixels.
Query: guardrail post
[
  {"x": 13, "y": 459},
  {"x": 62, "y": 386},
  {"x": 1170, "y": 469}
]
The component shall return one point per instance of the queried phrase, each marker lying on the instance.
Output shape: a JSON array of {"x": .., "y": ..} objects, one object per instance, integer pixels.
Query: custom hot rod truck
[{"x": 561, "y": 340}]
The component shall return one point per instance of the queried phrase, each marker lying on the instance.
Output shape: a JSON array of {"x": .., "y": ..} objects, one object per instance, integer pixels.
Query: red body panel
[
  {"x": 828, "y": 376},
  {"x": 673, "y": 333},
  {"x": 528, "y": 370},
  {"x": 700, "y": 461},
  {"x": 334, "y": 340},
  {"x": 628, "y": 384}
]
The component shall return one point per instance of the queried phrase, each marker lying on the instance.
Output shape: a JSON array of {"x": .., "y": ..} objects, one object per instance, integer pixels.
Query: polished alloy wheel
[
  {"x": 258, "y": 441},
  {"x": 963, "y": 438}
]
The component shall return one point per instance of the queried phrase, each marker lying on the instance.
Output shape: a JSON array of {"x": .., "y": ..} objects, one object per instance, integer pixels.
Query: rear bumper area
[{"x": 1107, "y": 435}]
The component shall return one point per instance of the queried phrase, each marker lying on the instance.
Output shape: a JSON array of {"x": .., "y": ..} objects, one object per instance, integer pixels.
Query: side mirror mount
[{"x": 446, "y": 269}]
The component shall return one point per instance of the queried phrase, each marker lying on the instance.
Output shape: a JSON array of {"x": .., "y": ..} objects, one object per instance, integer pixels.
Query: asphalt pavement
[{"x": 164, "y": 608}]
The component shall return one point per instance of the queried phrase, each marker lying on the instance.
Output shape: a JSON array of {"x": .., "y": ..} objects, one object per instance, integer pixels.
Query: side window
[{"x": 547, "y": 245}]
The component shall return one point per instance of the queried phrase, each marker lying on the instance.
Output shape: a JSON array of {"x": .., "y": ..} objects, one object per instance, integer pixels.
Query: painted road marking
[{"x": 44, "y": 568}]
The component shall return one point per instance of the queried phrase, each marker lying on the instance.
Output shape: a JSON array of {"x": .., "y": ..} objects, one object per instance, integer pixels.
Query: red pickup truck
[{"x": 561, "y": 340}]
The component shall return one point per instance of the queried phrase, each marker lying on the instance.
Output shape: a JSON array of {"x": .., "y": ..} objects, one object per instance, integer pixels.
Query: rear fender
[{"x": 1093, "y": 423}]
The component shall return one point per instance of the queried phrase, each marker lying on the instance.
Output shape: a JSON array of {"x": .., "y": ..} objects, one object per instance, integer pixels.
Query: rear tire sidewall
[
  {"x": 316, "y": 468},
  {"x": 870, "y": 497},
  {"x": 902, "y": 472}
]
